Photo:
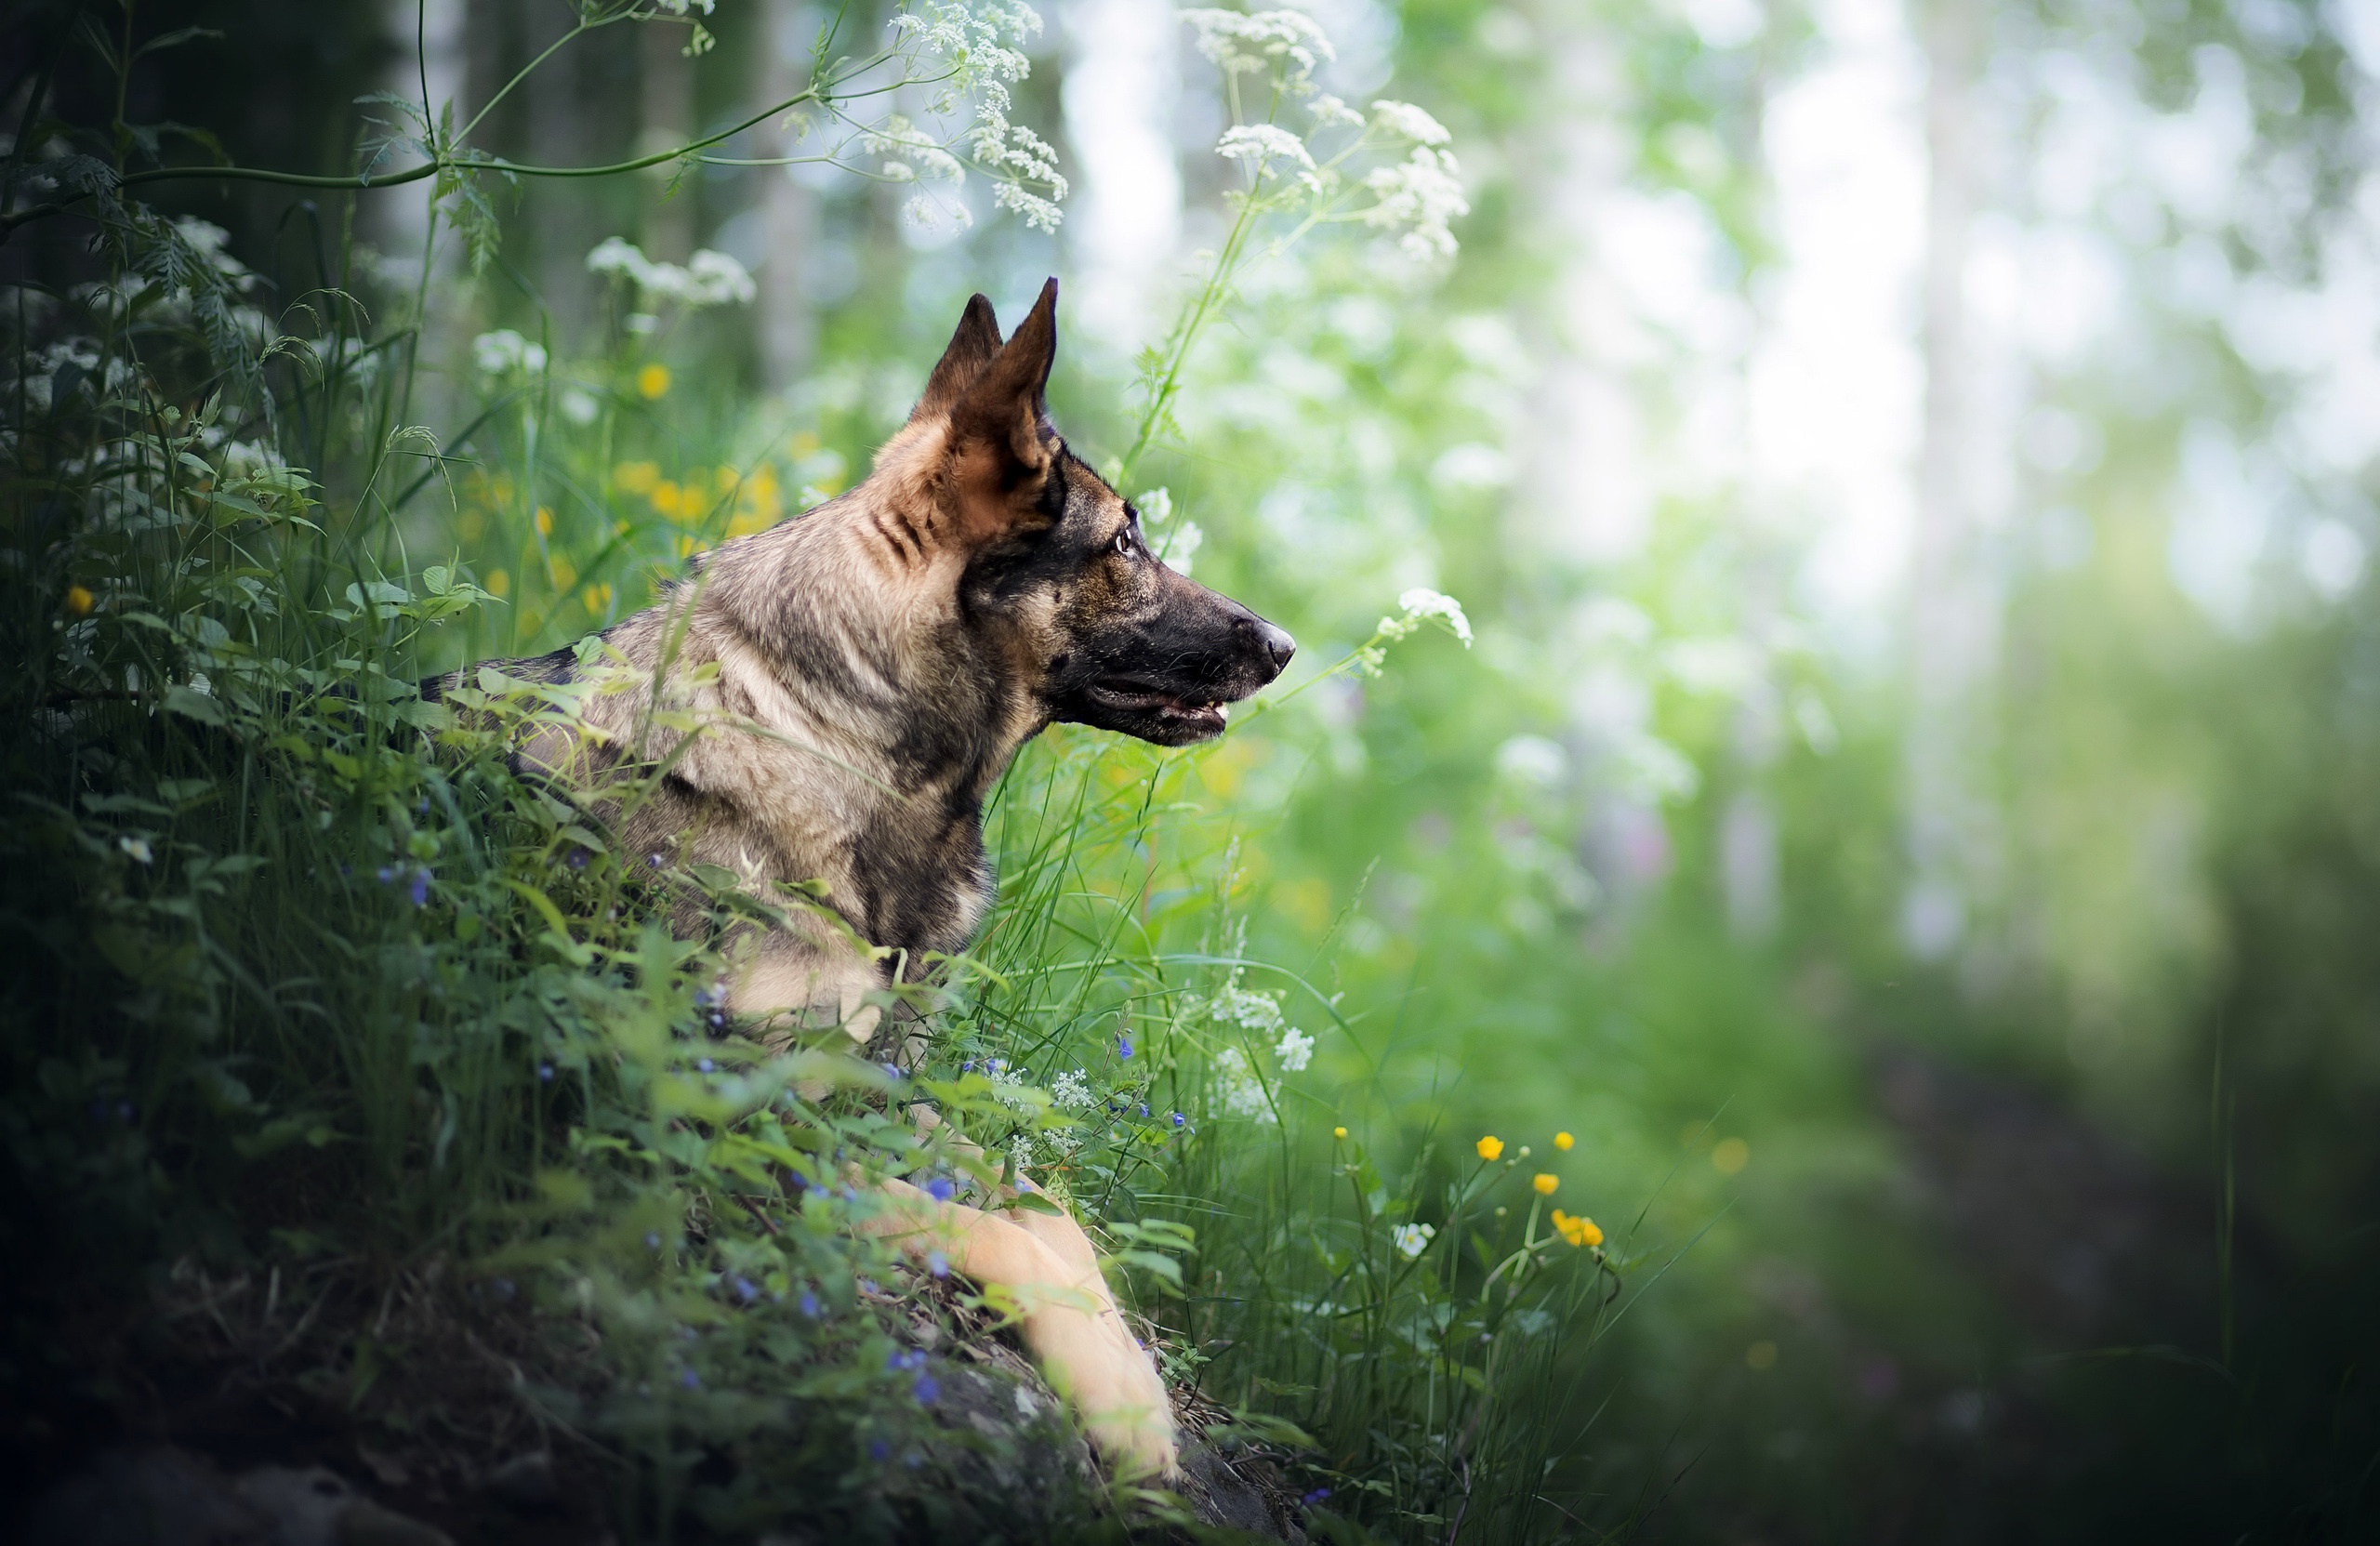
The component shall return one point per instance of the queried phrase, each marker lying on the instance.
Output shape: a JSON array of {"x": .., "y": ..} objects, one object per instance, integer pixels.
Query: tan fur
[{"x": 810, "y": 659}]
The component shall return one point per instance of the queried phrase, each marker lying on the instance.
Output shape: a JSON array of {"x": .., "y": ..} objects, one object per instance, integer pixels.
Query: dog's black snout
[{"x": 1276, "y": 642}]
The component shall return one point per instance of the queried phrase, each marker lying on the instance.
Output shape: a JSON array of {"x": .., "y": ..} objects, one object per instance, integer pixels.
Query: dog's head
[{"x": 1059, "y": 575}]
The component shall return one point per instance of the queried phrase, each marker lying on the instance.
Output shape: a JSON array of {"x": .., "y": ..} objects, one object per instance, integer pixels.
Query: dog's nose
[{"x": 1277, "y": 644}]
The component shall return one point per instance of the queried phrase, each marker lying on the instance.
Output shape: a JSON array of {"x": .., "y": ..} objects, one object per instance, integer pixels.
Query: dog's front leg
[{"x": 1070, "y": 1322}]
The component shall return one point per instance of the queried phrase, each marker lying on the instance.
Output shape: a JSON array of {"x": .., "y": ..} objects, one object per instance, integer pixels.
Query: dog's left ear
[{"x": 1002, "y": 440}]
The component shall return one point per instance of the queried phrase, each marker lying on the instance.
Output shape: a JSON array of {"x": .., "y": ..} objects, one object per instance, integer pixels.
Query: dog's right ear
[
  {"x": 972, "y": 348},
  {"x": 1003, "y": 444}
]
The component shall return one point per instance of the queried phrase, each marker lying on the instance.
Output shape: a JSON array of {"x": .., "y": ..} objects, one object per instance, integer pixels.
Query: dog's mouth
[{"x": 1188, "y": 718}]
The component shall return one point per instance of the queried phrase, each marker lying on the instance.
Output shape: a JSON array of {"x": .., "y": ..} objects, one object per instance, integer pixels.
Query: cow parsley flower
[
  {"x": 1418, "y": 606},
  {"x": 1418, "y": 197},
  {"x": 1407, "y": 122},
  {"x": 1071, "y": 1091},
  {"x": 1295, "y": 1051},
  {"x": 1260, "y": 145},
  {"x": 1413, "y": 1239},
  {"x": 1241, "y": 1089},
  {"x": 1247, "y": 43},
  {"x": 504, "y": 352},
  {"x": 708, "y": 279}
]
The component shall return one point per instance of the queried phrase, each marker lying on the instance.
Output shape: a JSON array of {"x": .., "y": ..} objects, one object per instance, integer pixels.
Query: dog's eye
[{"x": 1124, "y": 543}]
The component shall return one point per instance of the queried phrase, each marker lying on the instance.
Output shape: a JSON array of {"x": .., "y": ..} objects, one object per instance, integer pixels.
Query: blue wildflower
[
  {"x": 421, "y": 806},
  {"x": 1317, "y": 1495},
  {"x": 941, "y": 1190},
  {"x": 689, "y": 1378},
  {"x": 746, "y": 1290},
  {"x": 653, "y": 858},
  {"x": 927, "y": 1390},
  {"x": 892, "y": 1071},
  {"x": 705, "y": 1064},
  {"x": 851, "y": 1194},
  {"x": 652, "y": 1241},
  {"x": 421, "y": 889},
  {"x": 546, "y": 1073},
  {"x": 809, "y": 1305},
  {"x": 1179, "y": 1120},
  {"x": 899, "y": 1360},
  {"x": 1124, "y": 1048},
  {"x": 877, "y": 1449},
  {"x": 967, "y": 1066},
  {"x": 577, "y": 858},
  {"x": 938, "y": 1265},
  {"x": 385, "y": 873},
  {"x": 1143, "y": 1108}
]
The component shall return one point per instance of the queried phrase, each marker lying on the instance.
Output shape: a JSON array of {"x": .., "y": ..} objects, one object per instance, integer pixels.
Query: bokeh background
[{"x": 1910, "y": 806}]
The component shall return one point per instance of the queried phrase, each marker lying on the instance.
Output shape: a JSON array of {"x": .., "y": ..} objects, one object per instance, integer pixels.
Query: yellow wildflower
[
  {"x": 666, "y": 498},
  {"x": 653, "y": 380},
  {"x": 1337, "y": 1133},
  {"x": 1732, "y": 1154},
  {"x": 80, "y": 602},
  {"x": 1563, "y": 1140},
  {"x": 545, "y": 521},
  {"x": 636, "y": 476},
  {"x": 499, "y": 584},
  {"x": 1546, "y": 1183},
  {"x": 1580, "y": 1232},
  {"x": 1491, "y": 1147}
]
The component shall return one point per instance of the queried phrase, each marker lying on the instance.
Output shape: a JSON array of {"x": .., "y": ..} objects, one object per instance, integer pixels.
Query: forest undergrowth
[{"x": 359, "y": 1098}]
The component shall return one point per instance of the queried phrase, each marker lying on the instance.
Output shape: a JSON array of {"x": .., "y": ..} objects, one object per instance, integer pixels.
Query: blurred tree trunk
[
  {"x": 1952, "y": 619},
  {"x": 788, "y": 211},
  {"x": 666, "y": 87}
]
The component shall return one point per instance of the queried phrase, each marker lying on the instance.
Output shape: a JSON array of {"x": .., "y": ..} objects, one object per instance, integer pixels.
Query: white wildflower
[
  {"x": 1413, "y": 1239},
  {"x": 915, "y": 154},
  {"x": 1260, "y": 145},
  {"x": 1295, "y": 1051},
  {"x": 1071, "y": 1091},
  {"x": 1330, "y": 112},
  {"x": 137, "y": 849},
  {"x": 714, "y": 279},
  {"x": 1242, "y": 1091},
  {"x": 1418, "y": 195},
  {"x": 1418, "y": 606},
  {"x": 1407, "y": 122},
  {"x": 710, "y": 279},
  {"x": 505, "y": 352},
  {"x": 1247, "y": 43},
  {"x": 1020, "y": 1151},
  {"x": 1178, "y": 547},
  {"x": 1260, "y": 1012},
  {"x": 579, "y": 406}
]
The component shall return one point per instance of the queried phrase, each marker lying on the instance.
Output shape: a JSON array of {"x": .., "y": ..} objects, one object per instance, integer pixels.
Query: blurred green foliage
[{"x": 2062, "y": 1235}]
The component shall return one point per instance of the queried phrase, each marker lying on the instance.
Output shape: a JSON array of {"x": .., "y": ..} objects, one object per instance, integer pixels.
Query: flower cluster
[
  {"x": 1420, "y": 605},
  {"x": 1411, "y": 1240},
  {"x": 505, "y": 353},
  {"x": 1418, "y": 197},
  {"x": 1247, "y": 43},
  {"x": 981, "y": 45},
  {"x": 1580, "y": 1232},
  {"x": 707, "y": 279}
]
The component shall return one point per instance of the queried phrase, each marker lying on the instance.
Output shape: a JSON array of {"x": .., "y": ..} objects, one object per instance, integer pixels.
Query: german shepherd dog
[{"x": 857, "y": 678}]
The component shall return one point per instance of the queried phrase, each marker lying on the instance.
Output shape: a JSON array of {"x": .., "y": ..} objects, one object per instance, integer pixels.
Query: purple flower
[
  {"x": 899, "y": 1360},
  {"x": 1124, "y": 1048},
  {"x": 1179, "y": 1120},
  {"x": 1143, "y": 1108},
  {"x": 892, "y": 1071},
  {"x": 795, "y": 1182},
  {"x": 877, "y": 1449},
  {"x": 689, "y": 1378},
  {"x": 1317, "y": 1495},
  {"x": 421, "y": 889},
  {"x": 705, "y": 1064},
  {"x": 575, "y": 858},
  {"x": 386, "y": 874},
  {"x": 546, "y": 1073},
  {"x": 809, "y": 1305},
  {"x": 746, "y": 1291},
  {"x": 938, "y": 1265},
  {"x": 653, "y": 858},
  {"x": 927, "y": 1390},
  {"x": 941, "y": 1190},
  {"x": 421, "y": 806}
]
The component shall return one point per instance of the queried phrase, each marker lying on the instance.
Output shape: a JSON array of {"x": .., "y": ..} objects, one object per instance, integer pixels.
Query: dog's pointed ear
[
  {"x": 1001, "y": 433},
  {"x": 972, "y": 347}
]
